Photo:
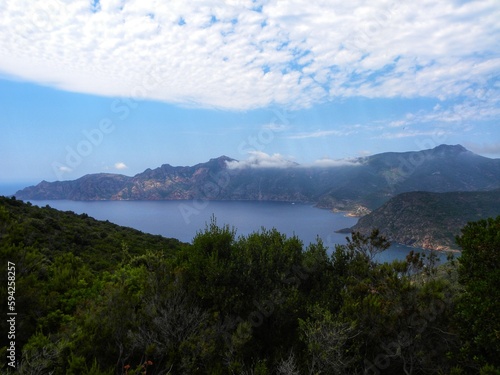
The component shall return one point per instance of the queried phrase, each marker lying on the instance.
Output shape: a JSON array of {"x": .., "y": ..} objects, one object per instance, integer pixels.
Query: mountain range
[{"x": 357, "y": 185}]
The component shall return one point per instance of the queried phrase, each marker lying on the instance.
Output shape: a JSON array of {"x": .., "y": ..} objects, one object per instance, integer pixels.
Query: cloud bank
[
  {"x": 252, "y": 54},
  {"x": 327, "y": 163},
  {"x": 259, "y": 159}
]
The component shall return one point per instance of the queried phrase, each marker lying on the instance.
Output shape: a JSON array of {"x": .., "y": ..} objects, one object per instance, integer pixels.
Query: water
[
  {"x": 11, "y": 188},
  {"x": 183, "y": 219}
]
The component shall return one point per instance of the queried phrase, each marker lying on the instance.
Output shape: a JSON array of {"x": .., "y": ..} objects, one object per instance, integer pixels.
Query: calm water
[{"x": 183, "y": 219}]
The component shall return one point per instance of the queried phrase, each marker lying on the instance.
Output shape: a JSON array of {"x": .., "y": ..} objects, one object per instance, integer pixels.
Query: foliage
[
  {"x": 96, "y": 298},
  {"x": 478, "y": 307},
  {"x": 430, "y": 220}
]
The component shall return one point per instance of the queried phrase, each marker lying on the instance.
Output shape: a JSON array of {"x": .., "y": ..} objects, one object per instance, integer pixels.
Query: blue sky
[{"x": 120, "y": 85}]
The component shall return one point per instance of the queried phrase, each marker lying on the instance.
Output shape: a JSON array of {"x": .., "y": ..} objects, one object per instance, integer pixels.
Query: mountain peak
[
  {"x": 223, "y": 158},
  {"x": 456, "y": 149}
]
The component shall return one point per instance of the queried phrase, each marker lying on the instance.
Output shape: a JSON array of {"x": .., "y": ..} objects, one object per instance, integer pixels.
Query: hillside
[
  {"x": 360, "y": 184},
  {"x": 100, "y": 244},
  {"x": 88, "y": 297},
  {"x": 429, "y": 220}
]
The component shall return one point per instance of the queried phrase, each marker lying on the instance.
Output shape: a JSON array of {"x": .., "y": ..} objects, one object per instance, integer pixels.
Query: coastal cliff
[{"x": 429, "y": 220}]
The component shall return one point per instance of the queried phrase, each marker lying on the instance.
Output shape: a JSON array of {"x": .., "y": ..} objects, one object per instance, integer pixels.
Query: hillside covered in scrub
[
  {"x": 96, "y": 298},
  {"x": 429, "y": 220}
]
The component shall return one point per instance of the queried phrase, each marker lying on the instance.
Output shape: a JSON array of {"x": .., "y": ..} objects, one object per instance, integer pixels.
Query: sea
[{"x": 184, "y": 219}]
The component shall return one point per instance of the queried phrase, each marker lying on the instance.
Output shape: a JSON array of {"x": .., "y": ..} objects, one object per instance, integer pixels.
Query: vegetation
[
  {"x": 96, "y": 298},
  {"x": 430, "y": 220}
]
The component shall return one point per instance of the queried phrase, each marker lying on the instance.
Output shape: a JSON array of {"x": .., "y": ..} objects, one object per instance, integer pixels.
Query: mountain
[
  {"x": 441, "y": 169},
  {"x": 100, "y": 186},
  {"x": 429, "y": 220},
  {"x": 358, "y": 185}
]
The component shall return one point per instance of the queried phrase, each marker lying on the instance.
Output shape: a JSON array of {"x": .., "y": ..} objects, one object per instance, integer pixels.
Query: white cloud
[
  {"x": 64, "y": 169},
  {"x": 479, "y": 105},
  {"x": 245, "y": 54},
  {"x": 326, "y": 162},
  {"x": 318, "y": 134},
  {"x": 259, "y": 159},
  {"x": 437, "y": 133},
  {"x": 120, "y": 166}
]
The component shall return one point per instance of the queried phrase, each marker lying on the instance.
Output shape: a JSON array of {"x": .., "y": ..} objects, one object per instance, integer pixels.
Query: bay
[{"x": 184, "y": 219}]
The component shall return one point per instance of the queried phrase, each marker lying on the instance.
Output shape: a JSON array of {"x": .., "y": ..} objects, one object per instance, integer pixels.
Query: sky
[{"x": 119, "y": 86}]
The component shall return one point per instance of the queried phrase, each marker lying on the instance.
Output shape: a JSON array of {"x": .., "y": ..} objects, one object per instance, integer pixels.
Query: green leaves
[
  {"x": 119, "y": 301},
  {"x": 478, "y": 307}
]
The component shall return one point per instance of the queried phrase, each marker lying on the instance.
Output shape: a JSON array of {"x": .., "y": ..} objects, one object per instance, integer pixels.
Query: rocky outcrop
[{"x": 429, "y": 220}]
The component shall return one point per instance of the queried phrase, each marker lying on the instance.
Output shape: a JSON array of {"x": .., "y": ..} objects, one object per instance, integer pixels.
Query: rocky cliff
[{"x": 429, "y": 220}]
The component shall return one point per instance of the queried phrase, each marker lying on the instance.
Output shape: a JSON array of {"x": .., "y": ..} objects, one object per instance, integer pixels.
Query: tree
[
  {"x": 389, "y": 318},
  {"x": 478, "y": 309}
]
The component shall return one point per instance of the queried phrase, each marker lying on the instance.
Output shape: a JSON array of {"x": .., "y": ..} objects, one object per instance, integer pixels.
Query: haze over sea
[{"x": 183, "y": 219}]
